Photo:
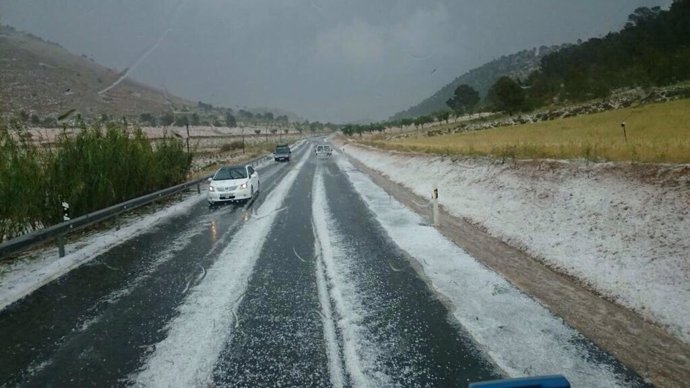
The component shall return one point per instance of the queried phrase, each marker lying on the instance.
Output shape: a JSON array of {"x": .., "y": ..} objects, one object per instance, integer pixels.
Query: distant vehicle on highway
[
  {"x": 282, "y": 153},
  {"x": 323, "y": 150},
  {"x": 233, "y": 184}
]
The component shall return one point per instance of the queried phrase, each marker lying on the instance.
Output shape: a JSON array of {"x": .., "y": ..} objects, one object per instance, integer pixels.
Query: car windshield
[
  {"x": 497, "y": 152},
  {"x": 230, "y": 173}
]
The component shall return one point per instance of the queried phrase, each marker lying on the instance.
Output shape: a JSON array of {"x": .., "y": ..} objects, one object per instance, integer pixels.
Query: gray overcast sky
[{"x": 329, "y": 60}]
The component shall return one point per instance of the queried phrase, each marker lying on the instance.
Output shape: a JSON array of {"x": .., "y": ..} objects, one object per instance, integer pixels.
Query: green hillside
[{"x": 519, "y": 64}]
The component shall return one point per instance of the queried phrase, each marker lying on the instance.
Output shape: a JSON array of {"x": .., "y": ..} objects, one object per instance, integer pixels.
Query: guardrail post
[
  {"x": 434, "y": 200},
  {"x": 61, "y": 245}
]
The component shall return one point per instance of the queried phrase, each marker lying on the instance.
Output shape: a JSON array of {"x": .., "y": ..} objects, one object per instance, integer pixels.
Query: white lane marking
[
  {"x": 357, "y": 350},
  {"x": 520, "y": 335},
  {"x": 205, "y": 321}
]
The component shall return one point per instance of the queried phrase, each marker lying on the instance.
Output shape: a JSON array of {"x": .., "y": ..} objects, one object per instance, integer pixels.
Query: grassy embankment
[{"x": 656, "y": 133}]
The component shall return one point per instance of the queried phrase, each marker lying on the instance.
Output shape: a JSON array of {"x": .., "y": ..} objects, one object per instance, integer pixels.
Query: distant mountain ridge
[
  {"x": 39, "y": 77},
  {"x": 481, "y": 78}
]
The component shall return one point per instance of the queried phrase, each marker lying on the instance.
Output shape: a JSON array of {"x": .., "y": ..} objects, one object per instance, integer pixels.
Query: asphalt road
[{"x": 301, "y": 287}]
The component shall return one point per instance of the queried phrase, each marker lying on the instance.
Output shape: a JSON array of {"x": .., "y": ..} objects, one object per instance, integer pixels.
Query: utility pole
[{"x": 187, "y": 137}]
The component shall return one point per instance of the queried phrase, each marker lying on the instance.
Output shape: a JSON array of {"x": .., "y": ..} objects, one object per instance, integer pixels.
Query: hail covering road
[{"x": 301, "y": 287}]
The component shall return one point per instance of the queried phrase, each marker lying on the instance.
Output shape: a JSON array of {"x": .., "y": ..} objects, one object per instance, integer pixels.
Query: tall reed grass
[
  {"x": 22, "y": 183},
  {"x": 99, "y": 166}
]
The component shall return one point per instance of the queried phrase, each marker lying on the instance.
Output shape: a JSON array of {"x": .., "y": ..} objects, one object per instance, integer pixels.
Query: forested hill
[
  {"x": 653, "y": 49},
  {"x": 518, "y": 65}
]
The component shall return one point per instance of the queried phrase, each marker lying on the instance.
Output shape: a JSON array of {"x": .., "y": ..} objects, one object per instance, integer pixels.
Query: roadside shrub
[
  {"x": 235, "y": 145},
  {"x": 171, "y": 163}
]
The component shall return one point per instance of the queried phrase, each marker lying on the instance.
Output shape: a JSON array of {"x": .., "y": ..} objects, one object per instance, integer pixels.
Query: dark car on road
[{"x": 282, "y": 153}]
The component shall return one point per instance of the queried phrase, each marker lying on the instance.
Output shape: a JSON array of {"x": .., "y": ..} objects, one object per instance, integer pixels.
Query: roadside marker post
[
  {"x": 625, "y": 134},
  {"x": 434, "y": 200},
  {"x": 61, "y": 238},
  {"x": 65, "y": 211}
]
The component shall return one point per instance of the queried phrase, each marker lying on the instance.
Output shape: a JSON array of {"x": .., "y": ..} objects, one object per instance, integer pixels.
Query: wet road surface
[{"x": 301, "y": 287}]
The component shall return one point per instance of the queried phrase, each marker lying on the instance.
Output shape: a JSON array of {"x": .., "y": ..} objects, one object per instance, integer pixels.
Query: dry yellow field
[{"x": 658, "y": 133}]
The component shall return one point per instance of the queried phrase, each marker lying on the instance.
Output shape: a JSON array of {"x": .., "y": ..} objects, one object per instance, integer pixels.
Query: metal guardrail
[{"x": 59, "y": 231}]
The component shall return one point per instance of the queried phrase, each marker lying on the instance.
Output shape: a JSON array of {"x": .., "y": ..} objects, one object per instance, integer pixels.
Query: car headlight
[
  {"x": 211, "y": 188},
  {"x": 243, "y": 185}
]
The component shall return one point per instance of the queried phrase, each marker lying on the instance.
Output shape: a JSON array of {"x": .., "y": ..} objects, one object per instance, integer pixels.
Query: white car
[
  {"x": 323, "y": 150},
  {"x": 233, "y": 184}
]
